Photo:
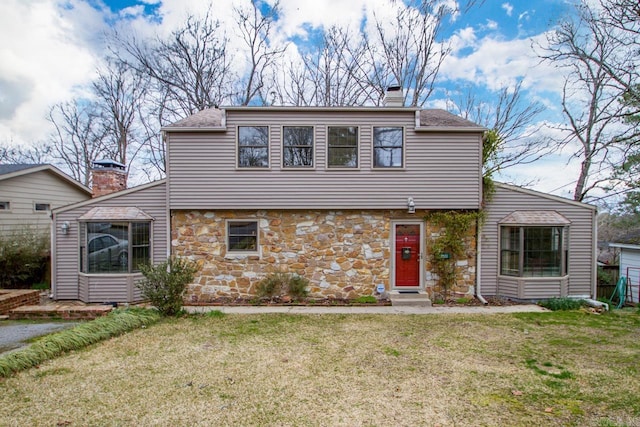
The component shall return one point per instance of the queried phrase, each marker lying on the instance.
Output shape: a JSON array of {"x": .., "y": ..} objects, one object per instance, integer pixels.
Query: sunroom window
[
  {"x": 114, "y": 247},
  {"x": 532, "y": 251}
]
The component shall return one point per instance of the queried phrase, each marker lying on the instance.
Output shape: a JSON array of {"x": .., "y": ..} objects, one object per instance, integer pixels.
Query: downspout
[
  {"x": 594, "y": 268},
  {"x": 53, "y": 256},
  {"x": 479, "y": 265}
]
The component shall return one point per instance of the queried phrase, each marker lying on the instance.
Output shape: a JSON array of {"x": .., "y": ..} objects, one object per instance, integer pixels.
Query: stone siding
[{"x": 344, "y": 254}]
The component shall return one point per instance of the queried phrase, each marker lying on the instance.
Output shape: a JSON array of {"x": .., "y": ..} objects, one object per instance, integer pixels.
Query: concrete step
[{"x": 419, "y": 299}]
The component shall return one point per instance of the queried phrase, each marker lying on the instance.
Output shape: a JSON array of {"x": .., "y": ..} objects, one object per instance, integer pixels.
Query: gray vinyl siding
[
  {"x": 581, "y": 247},
  {"x": 38, "y": 187},
  {"x": 630, "y": 259},
  {"x": 441, "y": 169},
  {"x": 71, "y": 284}
]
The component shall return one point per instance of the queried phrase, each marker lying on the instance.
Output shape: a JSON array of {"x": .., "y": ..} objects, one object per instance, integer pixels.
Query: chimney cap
[
  {"x": 394, "y": 88},
  {"x": 108, "y": 164}
]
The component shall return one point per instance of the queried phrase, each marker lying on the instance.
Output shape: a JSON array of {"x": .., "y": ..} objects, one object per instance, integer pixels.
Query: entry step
[{"x": 414, "y": 299}]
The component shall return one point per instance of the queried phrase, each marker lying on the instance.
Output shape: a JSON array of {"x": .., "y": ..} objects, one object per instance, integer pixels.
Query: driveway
[{"x": 14, "y": 335}]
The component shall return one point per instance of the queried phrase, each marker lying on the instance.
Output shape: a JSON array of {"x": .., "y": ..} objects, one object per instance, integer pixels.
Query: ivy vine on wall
[{"x": 449, "y": 246}]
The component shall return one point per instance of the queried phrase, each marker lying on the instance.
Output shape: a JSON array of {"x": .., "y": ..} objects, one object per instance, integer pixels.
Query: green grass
[
  {"x": 366, "y": 299},
  {"x": 565, "y": 368}
]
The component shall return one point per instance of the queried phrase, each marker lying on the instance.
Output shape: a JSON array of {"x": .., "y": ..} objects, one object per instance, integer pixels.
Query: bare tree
[
  {"x": 589, "y": 52},
  {"x": 190, "y": 70},
  {"x": 406, "y": 52},
  {"x": 333, "y": 73},
  {"x": 79, "y": 137},
  {"x": 256, "y": 31},
  {"x": 37, "y": 153},
  {"x": 512, "y": 119}
]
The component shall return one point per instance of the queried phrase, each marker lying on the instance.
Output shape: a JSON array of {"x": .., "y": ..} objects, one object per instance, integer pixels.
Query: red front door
[{"x": 407, "y": 256}]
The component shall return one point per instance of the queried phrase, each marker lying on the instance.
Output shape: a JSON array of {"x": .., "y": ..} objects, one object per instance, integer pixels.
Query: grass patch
[
  {"x": 280, "y": 369},
  {"x": 51, "y": 346},
  {"x": 562, "y": 304},
  {"x": 366, "y": 299}
]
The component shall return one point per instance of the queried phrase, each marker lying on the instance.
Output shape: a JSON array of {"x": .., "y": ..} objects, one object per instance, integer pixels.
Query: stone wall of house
[{"x": 344, "y": 254}]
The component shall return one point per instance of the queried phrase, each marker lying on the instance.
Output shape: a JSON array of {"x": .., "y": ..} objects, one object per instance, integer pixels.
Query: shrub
[
  {"x": 164, "y": 284},
  {"x": 23, "y": 258},
  {"x": 278, "y": 284},
  {"x": 562, "y": 304}
]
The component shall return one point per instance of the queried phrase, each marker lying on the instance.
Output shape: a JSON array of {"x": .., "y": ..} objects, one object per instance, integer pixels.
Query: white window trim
[
  {"x": 253, "y": 168},
  {"x": 404, "y": 150},
  {"x": 358, "y": 151},
  {"x": 313, "y": 150},
  {"x": 241, "y": 254}
]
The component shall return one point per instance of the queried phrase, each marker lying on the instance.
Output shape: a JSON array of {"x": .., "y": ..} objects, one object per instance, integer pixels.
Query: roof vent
[{"x": 393, "y": 97}]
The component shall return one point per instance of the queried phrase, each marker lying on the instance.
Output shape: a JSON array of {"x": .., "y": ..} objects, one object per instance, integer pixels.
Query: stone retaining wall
[{"x": 344, "y": 254}]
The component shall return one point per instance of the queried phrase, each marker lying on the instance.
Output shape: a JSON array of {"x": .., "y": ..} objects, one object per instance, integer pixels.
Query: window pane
[
  {"x": 510, "y": 253},
  {"x": 242, "y": 236},
  {"x": 253, "y": 146},
  {"x": 297, "y": 146},
  {"x": 542, "y": 251},
  {"x": 387, "y": 146},
  {"x": 343, "y": 147},
  {"x": 107, "y": 247},
  {"x": 140, "y": 244}
]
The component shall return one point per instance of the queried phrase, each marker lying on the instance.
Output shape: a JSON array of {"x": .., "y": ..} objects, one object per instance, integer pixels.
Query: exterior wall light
[
  {"x": 411, "y": 206},
  {"x": 64, "y": 227}
]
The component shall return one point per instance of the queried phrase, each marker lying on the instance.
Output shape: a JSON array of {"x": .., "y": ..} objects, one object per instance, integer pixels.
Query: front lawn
[{"x": 561, "y": 368}]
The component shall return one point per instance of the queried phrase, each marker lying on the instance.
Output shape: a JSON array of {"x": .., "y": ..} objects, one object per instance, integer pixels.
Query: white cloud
[
  {"x": 47, "y": 51},
  {"x": 508, "y": 8},
  {"x": 491, "y": 24}
]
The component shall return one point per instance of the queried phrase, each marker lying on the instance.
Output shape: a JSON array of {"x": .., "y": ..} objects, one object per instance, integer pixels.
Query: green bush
[
  {"x": 115, "y": 323},
  {"x": 561, "y": 304},
  {"x": 23, "y": 258},
  {"x": 164, "y": 284},
  {"x": 278, "y": 284}
]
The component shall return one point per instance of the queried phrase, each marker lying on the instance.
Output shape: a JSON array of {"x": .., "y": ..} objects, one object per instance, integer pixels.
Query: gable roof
[{"x": 15, "y": 170}]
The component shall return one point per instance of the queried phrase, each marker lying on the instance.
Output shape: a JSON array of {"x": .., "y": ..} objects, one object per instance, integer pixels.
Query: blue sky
[{"x": 49, "y": 50}]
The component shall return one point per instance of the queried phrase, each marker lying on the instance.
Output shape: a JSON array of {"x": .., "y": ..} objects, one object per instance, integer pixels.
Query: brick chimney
[
  {"x": 109, "y": 176},
  {"x": 393, "y": 97}
]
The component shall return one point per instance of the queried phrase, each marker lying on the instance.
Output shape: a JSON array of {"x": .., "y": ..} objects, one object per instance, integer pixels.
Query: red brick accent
[
  {"x": 107, "y": 181},
  {"x": 13, "y": 298}
]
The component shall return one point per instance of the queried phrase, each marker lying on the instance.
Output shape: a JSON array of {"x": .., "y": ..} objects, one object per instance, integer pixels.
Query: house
[
  {"x": 338, "y": 195},
  {"x": 29, "y": 192}
]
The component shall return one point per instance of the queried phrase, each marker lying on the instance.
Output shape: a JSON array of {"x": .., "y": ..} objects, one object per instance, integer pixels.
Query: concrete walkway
[{"x": 521, "y": 308}]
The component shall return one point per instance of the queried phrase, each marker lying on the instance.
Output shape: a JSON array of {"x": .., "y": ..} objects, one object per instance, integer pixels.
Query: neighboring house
[
  {"x": 630, "y": 268},
  {"x": 28, "y": 193},
  {"x": 338, "y": 195}
]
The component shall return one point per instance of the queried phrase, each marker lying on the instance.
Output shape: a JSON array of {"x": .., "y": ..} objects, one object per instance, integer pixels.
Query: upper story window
[
  {"x": 342, "y": 147},
  {"x": 532, "y": 251},
  {"x": 242, "y": 236},
  {"x": 253, "y": 147},
  {"x": 41, "y": 207},
  {"x": 388, "y": 147},
  {"x": 5, "y": 206},
  {"x": 297, "y": 146}
]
